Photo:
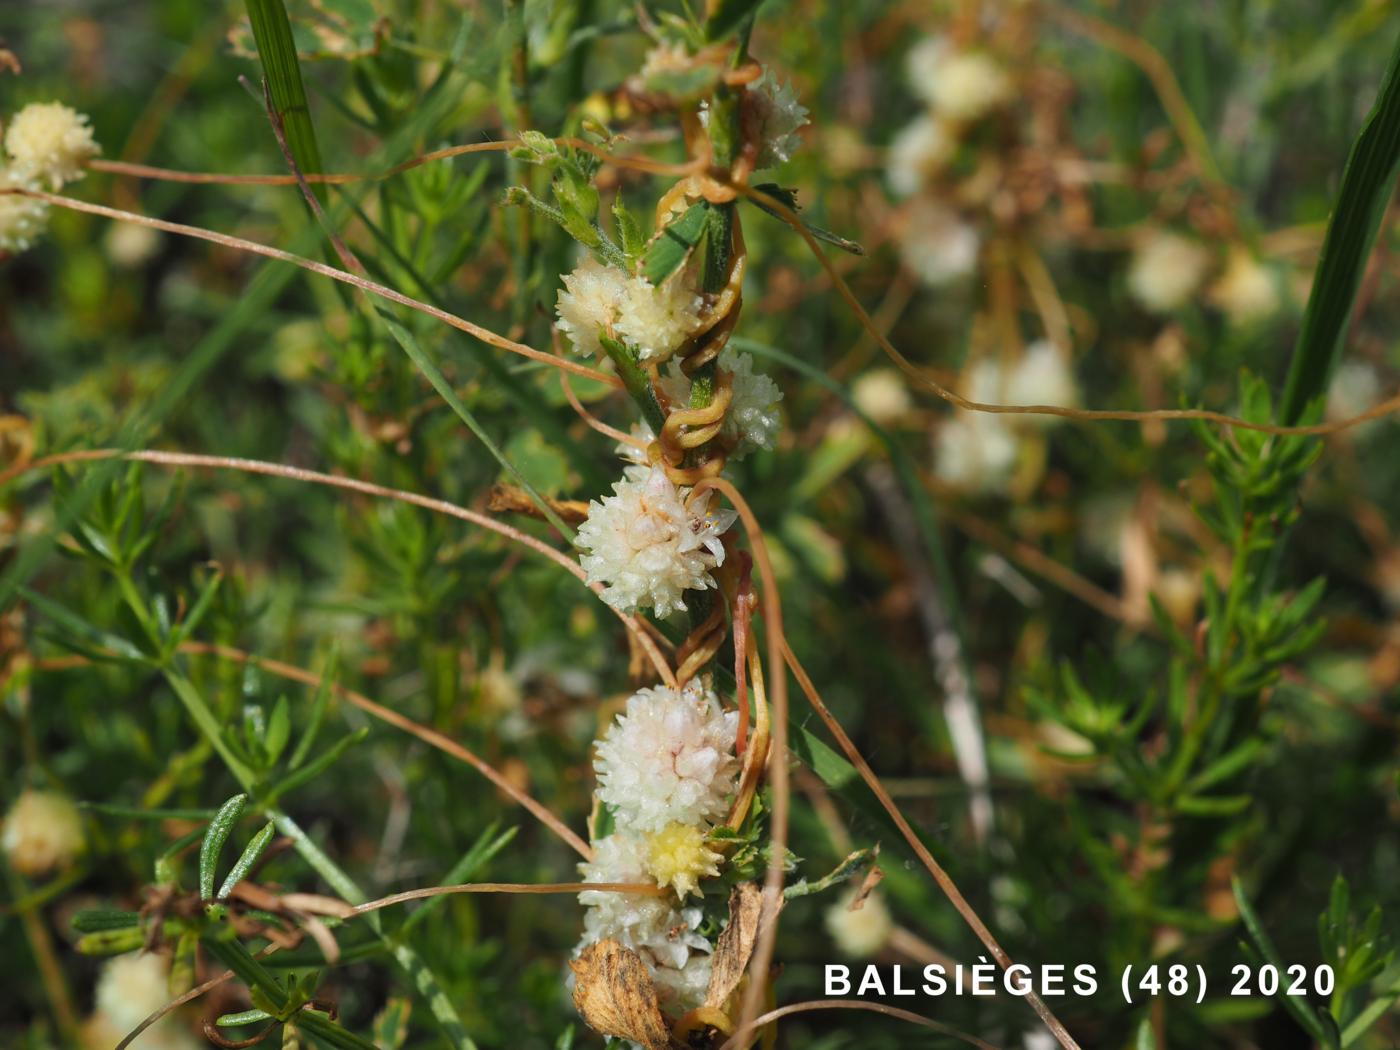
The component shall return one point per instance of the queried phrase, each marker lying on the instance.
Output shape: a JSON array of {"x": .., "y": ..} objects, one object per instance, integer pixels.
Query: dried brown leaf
[
  {"x": 613, "y": 992},
  {"x": 735, "y": 944},
  {"x": 872, "y": 879}
]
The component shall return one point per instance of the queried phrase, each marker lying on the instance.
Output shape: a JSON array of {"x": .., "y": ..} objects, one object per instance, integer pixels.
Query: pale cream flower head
[
  {"x": 647, "y": 547},
  {"x": 883, "y": 395},
  {"x": 1167, "y": 270},
  {"x": 1042, "y": 377},
  {"x": 22, "y": 219},
  {"x": 1246, "y": 291},
  {"x": 668, "y": 759},
  {"x": 657, "y": 319},
  {"x": 43, "y": 832},
  {"x": 131, "y": 988},
  {"x": 863, "y": 932},
  {"x": 937, "y": 243},
  {"x": 958, "y": 85},
  {"x": 589, "y": 303},
  {"x": 50, "y": 142},
  {"x": 664, "y": 936},
  {"x": 918, "y": 152},
  {"x": 598, "y": 299}
]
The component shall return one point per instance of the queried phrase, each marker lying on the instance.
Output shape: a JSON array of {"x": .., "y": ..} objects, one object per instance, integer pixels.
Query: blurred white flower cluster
[
  {"x": 43, "y": 832},
  {"x": 666, "y": 771},
  {"x": 1168, "y": 271},
  {"x": 977, "y": 451},
  {"x": 46, "y": 146},
  {"x": 960, "y": 88},
  {"x": 130, "y": 989}
]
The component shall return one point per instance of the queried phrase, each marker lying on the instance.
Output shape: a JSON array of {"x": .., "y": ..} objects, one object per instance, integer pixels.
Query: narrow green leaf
[
  {"x": 115, "y": 645},
  {"x": 637, "y": 382},
  {"x": 214, "y": 838},
  {"x": 789, "y": 200},
  {"x": 95, "y": 920},
  {"x": 111, "y": 942},
  {"x": 252, "y": 853},
  {"x": 279, "y": 730},
  {"x": 1367, "y": 182},
  {"x": 246, "y": 1017},
  {"x": 247, "y": 969},
  {"x": 629, "y": 231},
  {"x": 318, "y": 765},
  {"x": 391, "y": 1024},
  {"x": 1369, "y": 1015},
  {"x": 1225, "y": 767},
  {"x": 324, "y": 1030},
  {"x": 1301, "y": 1010},
  {"x": 318, "y": 709},
  {"x": 835, "y": 772},
  {"x": 1213, "y": 806},
  {"x": 671, "y": 245},
  {"x": 111, "y": 809},
  {"x": 272, "y": 32}
]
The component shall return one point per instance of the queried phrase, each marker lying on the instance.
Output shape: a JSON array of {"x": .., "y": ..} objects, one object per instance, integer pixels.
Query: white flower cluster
[
  {"x": 647, "y": 547},
  {"x": 977, "y": 451},
  {"x": 752, "y": 421},
  {"x": 1168, "y": 269},
  {"x": 937, "y": 243},
  {"x": 861, "y": 932},
  {"x": 666, "y": 770},
  {"x": 130, "y": 989},
  {"x": 960, "y": 87},
  {"x": 774, "y": 118},
  {"x": 42, "y": 832},
  {"x": 46, "y": 145},
  {"x": 920, "y": 150},
  {"x": 778, "y": 116},
  {"x": 668, "y": 759},
  {"x": 599, "y": 299},
  {"x": 49, "y": 142}
]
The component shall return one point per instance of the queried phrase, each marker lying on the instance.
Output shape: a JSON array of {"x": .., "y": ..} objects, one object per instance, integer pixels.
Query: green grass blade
[
  {"x": 1367, "y": 182},
  {"x": 272, "y": 32}
]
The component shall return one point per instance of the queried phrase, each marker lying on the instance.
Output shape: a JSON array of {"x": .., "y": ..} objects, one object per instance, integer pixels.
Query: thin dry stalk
[
  {"x": 945, "y": 882},
  {"x": 735, "y": 1041},
  {"x": 387, "y": 714},
  {"x": 778, "y": 756},
  {"x": 1385, "y": 408},
  {"x": 278, "y": 470},
  {"x": 364, "y": 284}
]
